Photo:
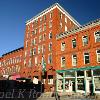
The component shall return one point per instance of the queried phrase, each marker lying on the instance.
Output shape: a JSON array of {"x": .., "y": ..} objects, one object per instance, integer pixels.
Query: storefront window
[
  {"x": 88, "y": 73},
  {"x": 70, "y": 74},
  {"x": 96, "y": 72},
  {"x": 80, "y": 73},
  {"x": 97, "y": 83},
  {"x": 80, "y": 83}
]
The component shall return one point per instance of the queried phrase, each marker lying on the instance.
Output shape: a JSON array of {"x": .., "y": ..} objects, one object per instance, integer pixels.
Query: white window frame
[
  {"x": 83, "y": 40},
  {"x": 39, "y": 49},
  {"x": 50, "y": 23},
  {"x": 73, "y": 43},
  {"x": 65, "y": 19},
  {"x": 60, "y": 14},
  {"x": 44, "y": 27},
  {"x": 50, "y": 35},
  {"x": 96, "y": 37},
  {"x": 73, "y": 64},
  {"x": 50, "y": 46},
  {"x": 84, "y": 57},
  {"x": 63, "y": 65},
  {"x": 66, "y": 28},
  {"x": 61, "y": 25},
  {"x": 40, "y": 38},
  {"x": 43, "y": 48},
  {"x": 50, "y": 81},
  {"x": 97, "y": 55},
  {"x": 40, "y": 29},
  {"x": 34, "y": 52},
  {"x": 36, "y": 60},
  {"x": 44, "y": 37},
  {"x": 63, "y": 46},
  {"x": 25, "y": 53},
  {"x": 48, "y": 58},
  {"x": 51, "y": 13}
]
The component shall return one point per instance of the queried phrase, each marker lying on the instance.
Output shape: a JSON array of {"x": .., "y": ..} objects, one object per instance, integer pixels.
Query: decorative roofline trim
[
  {"x": 73, "y": 31},
  {"x": 21, "y": 48},
  {"x": 56, "y": 5}
]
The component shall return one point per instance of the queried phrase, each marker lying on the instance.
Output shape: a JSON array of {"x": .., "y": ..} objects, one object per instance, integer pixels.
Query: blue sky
[{"x": 14, "y": 14}]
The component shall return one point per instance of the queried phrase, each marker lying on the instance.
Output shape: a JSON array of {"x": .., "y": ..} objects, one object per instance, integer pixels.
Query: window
[
  {"x": 43, "y": 48},
  {"x": 25, "y": 53},
  {"x": 34, "y": 41},
  {"x": 31, "y": 52},
  {"x": 63, "y": 62},
  {"x": 65, "y": 19},
  {"x": 44, "y": 28},
  {"x": 49, "y": 58},
  {"x": 60, "y": 24},
  {"x": 62, "y": 46},
  {"x": 97, "y": 36},
  {"x": 39, "y": 49},
  {"x": 60, "y": 14},
  {"x": 30, "y": 63},
  {"x": 51, "y": 14},
  {"x": 65, "y": 28},
  {"x": 85, "y": 40},
  {"x": 86, "y": 58},
  {"x": 34, "y": 51},
  {"x": 74, "y": 43},
  {"x": 36, "y": 22},
  {"x": 50, "y": 79},
  {"x": 40, "y": 29},
  {"x": 50, "y": 35},
  {"x": 33, "y": 32},
  {"x": 44, "y": 37},
  {"x": 36, "y": 31},
  {"x": 50, "y": 46},
  {"x": 41, "y": 20},
  {"x": 44, "y": 17},
  {"x": 40, "y": 38},
  {"x": 36, "y": 60},
  {"x": 17, "y": 60},
  {"x": 50, "y": 23},
  {"x": 74, "y": 60},
  {"x": 98, "y": 56},
  {"x": 24, "y": 62}
]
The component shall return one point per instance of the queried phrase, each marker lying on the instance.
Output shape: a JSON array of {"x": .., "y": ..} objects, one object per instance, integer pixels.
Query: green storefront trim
[{"x": 79, "y": 69}]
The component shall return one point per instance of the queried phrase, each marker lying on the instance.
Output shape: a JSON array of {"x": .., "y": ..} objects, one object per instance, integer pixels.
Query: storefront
[{"x": 83, "y": 80}]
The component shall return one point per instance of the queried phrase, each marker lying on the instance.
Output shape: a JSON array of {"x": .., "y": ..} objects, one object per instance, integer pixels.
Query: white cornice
[
  {"x": 56, "y": 5},
  {"x": 73, "y": 31}
]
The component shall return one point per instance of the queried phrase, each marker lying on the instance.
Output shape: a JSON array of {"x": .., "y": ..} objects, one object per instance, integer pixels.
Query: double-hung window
[
  {"x": 86, "y": 58},
  {"x": 97, "y": 36}
]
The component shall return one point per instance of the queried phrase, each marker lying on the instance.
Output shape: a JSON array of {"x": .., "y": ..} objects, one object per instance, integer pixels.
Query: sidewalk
[{"x": 48, "y": 96}]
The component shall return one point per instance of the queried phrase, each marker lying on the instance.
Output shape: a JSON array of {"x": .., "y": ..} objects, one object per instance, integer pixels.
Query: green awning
[{"x": 79, "y": 69}]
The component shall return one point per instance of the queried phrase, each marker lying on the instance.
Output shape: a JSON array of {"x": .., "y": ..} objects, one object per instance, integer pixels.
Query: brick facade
[
  {"x": 91, "y": 47},
  {"x": 44, "y": 35},
  {"x": 11, "y": 63}
]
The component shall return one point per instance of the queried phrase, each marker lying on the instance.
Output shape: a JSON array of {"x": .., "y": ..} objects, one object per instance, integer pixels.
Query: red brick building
[
  {"x": 40, "y": 42},
  {"x": 78, "y": 59},
  {"x": 11, "y": 63},
  {"x": 55, "y": 42}
]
